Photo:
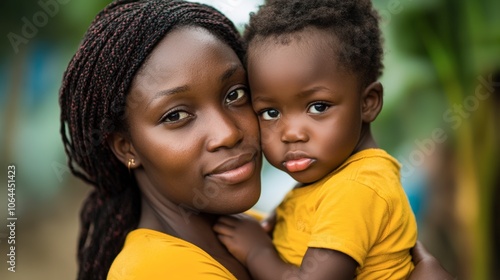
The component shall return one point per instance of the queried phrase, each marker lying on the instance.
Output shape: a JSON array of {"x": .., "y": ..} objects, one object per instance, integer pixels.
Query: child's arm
[
  {"x": 251, "y": 245},
  {"x": 426, "y": 265}
]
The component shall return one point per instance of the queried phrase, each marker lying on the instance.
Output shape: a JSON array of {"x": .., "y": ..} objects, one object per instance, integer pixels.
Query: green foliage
[
  {"x": 55, "y": 21},
  {"x": 442, "y": 47}
]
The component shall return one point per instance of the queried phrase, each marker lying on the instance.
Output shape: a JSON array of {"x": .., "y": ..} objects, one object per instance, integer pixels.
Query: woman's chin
[{"x": 239, "y": 204}]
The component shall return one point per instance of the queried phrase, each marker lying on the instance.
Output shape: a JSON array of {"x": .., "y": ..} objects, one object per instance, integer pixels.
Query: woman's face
[{"x": 191, "y": 125}]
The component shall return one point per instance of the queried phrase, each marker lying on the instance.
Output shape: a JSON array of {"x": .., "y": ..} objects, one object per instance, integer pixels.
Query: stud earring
[{"x": 131, "y": 162}]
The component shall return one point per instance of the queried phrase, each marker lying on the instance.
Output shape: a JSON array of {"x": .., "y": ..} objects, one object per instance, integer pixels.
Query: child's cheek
[{"x": 270, "y": 141}]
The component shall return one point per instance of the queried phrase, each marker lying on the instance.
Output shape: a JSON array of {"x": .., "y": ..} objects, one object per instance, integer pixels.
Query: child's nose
[{"x": 293, "y": 131}]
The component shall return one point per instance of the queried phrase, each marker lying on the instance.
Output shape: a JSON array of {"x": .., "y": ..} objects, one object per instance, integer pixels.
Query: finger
[
  {"x": 241, "y": 216},
  {"x": 267, "y": 226},
  {"x": 225, "y": 239},
  {"x": 223, "y": 229},
  {"x": 269, "y": 223},
  {"x": 228, "y": 220}
]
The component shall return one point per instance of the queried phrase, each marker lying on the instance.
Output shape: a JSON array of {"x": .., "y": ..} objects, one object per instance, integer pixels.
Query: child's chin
[{"x": 306, "y": 176}]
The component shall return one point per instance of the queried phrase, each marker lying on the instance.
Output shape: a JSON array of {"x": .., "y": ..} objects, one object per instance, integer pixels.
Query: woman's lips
[
  {"x": 297, "y": 165},
  {"x": 235, "y": 171}
]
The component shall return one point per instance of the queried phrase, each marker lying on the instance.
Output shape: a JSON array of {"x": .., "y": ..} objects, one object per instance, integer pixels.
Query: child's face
[{"x": 309, "y": 108}]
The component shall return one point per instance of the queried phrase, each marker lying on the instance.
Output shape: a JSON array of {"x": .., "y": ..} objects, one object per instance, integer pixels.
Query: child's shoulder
[
  {"x": 369, "y": 160},
  {"x": 373, "y": 168}
]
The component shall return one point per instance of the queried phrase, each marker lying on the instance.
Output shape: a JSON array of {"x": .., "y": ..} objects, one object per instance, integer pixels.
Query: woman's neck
[
  {"x": 178, "y": 221},
  {"x": 191, "y": 226}
]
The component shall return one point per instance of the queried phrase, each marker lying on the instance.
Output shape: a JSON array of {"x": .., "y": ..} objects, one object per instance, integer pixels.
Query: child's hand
[
  {"x": 242, "y": 235},
  {"x": 268, "y": 223}
]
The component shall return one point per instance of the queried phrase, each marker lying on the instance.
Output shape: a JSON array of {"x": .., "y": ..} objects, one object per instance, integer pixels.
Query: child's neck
[{"x": 366, "y": 140}]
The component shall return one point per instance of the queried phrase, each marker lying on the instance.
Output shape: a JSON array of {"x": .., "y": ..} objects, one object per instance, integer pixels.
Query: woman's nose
[{"x": 224, "y": 133}]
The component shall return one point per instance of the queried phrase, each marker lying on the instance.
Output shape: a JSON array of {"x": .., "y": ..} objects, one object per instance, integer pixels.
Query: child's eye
[
  {"x": 175, "y": 116},
  {"x": 270, "y": 114},
  {"x": 318, "y": 108},
  {"x": 235, "y": 95}
]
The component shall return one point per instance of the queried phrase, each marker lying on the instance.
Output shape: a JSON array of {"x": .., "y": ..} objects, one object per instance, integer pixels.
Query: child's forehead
[
  {"x": 308, "y": 44},
  {"x": 305, "y": 55},
  {"x": 309, "y": 39}
]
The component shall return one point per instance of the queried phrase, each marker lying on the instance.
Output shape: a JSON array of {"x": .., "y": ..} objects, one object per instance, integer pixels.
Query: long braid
[{"x": 93, "y": 99}]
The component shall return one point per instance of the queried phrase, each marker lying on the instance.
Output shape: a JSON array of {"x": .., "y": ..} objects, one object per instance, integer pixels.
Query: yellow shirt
[
  {"x": 359, "y": 209},
  {"x": 149, "y": 254}
]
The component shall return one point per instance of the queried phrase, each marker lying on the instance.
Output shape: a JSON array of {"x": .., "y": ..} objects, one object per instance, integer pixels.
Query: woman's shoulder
[{"x": 148, "y": 254}]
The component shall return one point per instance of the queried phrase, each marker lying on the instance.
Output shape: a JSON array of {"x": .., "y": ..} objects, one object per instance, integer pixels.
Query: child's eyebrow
[
  {"x": 261, "y": 98},
  {"x": 301, "y": 94},
  {"x": 312, "y": 90}
]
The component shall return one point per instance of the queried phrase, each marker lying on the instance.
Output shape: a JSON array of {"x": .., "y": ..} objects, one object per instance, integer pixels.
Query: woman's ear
[
  {"x": 123, "y": 149},
  {"x": 371, "y": 101}
]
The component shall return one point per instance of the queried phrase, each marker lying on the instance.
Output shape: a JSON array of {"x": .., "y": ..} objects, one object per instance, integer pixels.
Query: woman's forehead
[
  {"x": 188, "y": 51},
  {"x": 188, "y": 58}
]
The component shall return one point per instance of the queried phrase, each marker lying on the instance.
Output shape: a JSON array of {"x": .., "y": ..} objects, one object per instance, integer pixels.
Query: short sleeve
[{"x": 350, "y": 218}]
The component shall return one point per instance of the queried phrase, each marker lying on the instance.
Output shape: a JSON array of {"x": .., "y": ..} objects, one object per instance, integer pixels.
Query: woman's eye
[
  {"x": 175, "y": 116},
  {"x": 318, "y": 108},
  {"x": 270, "y": 114},
  {"x": 235, "y": 95}
]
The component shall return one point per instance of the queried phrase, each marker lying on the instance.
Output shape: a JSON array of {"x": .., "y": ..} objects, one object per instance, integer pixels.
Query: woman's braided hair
[
  {"x": 92, "y": 99},
  {"x": 354, "y": 23}
]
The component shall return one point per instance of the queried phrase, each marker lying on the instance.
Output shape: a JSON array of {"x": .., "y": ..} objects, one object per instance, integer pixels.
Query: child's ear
[
  {"x": 371, "y": 101},
  {"x": 123, "y": 149}
]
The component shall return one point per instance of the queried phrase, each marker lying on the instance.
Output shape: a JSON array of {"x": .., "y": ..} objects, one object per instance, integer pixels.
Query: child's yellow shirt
[
  {"x": 359, "y": 209},
  {"x": 150, "y": 254}
]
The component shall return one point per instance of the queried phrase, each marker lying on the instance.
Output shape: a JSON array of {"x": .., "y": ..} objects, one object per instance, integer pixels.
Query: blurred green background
[{"x": 441, "y": 119}]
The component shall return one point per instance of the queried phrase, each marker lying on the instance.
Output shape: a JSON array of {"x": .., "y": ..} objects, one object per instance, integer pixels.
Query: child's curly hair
[{"x": 354, "y": 23}]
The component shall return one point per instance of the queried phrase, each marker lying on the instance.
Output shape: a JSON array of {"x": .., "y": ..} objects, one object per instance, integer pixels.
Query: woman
[
  {"x": 156, "y": 116},
  {"x": 163, "y": 129}
]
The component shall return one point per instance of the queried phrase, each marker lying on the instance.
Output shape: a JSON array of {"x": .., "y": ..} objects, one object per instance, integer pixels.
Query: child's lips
[{"x": 297, "y": 161}]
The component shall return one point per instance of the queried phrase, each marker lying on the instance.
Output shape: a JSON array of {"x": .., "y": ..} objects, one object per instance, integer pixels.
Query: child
[{"x": 313, "y": 68}]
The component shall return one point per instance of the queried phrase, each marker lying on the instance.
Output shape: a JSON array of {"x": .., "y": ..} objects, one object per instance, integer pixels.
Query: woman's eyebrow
[
  {"x": 226, "y": 75},
  {"x": 230, "y": 72},
  {"x": 167, "y": 92}
]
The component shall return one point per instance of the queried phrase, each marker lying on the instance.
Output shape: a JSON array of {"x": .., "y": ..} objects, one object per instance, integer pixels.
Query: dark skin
[
  {"x": 427, "y": 267},
  {"x": 192, "y": 133},
  {"x": 295, "y": 105},
  {"x": 194, "y": 138},
  {"x": 312, "y": 118}
]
